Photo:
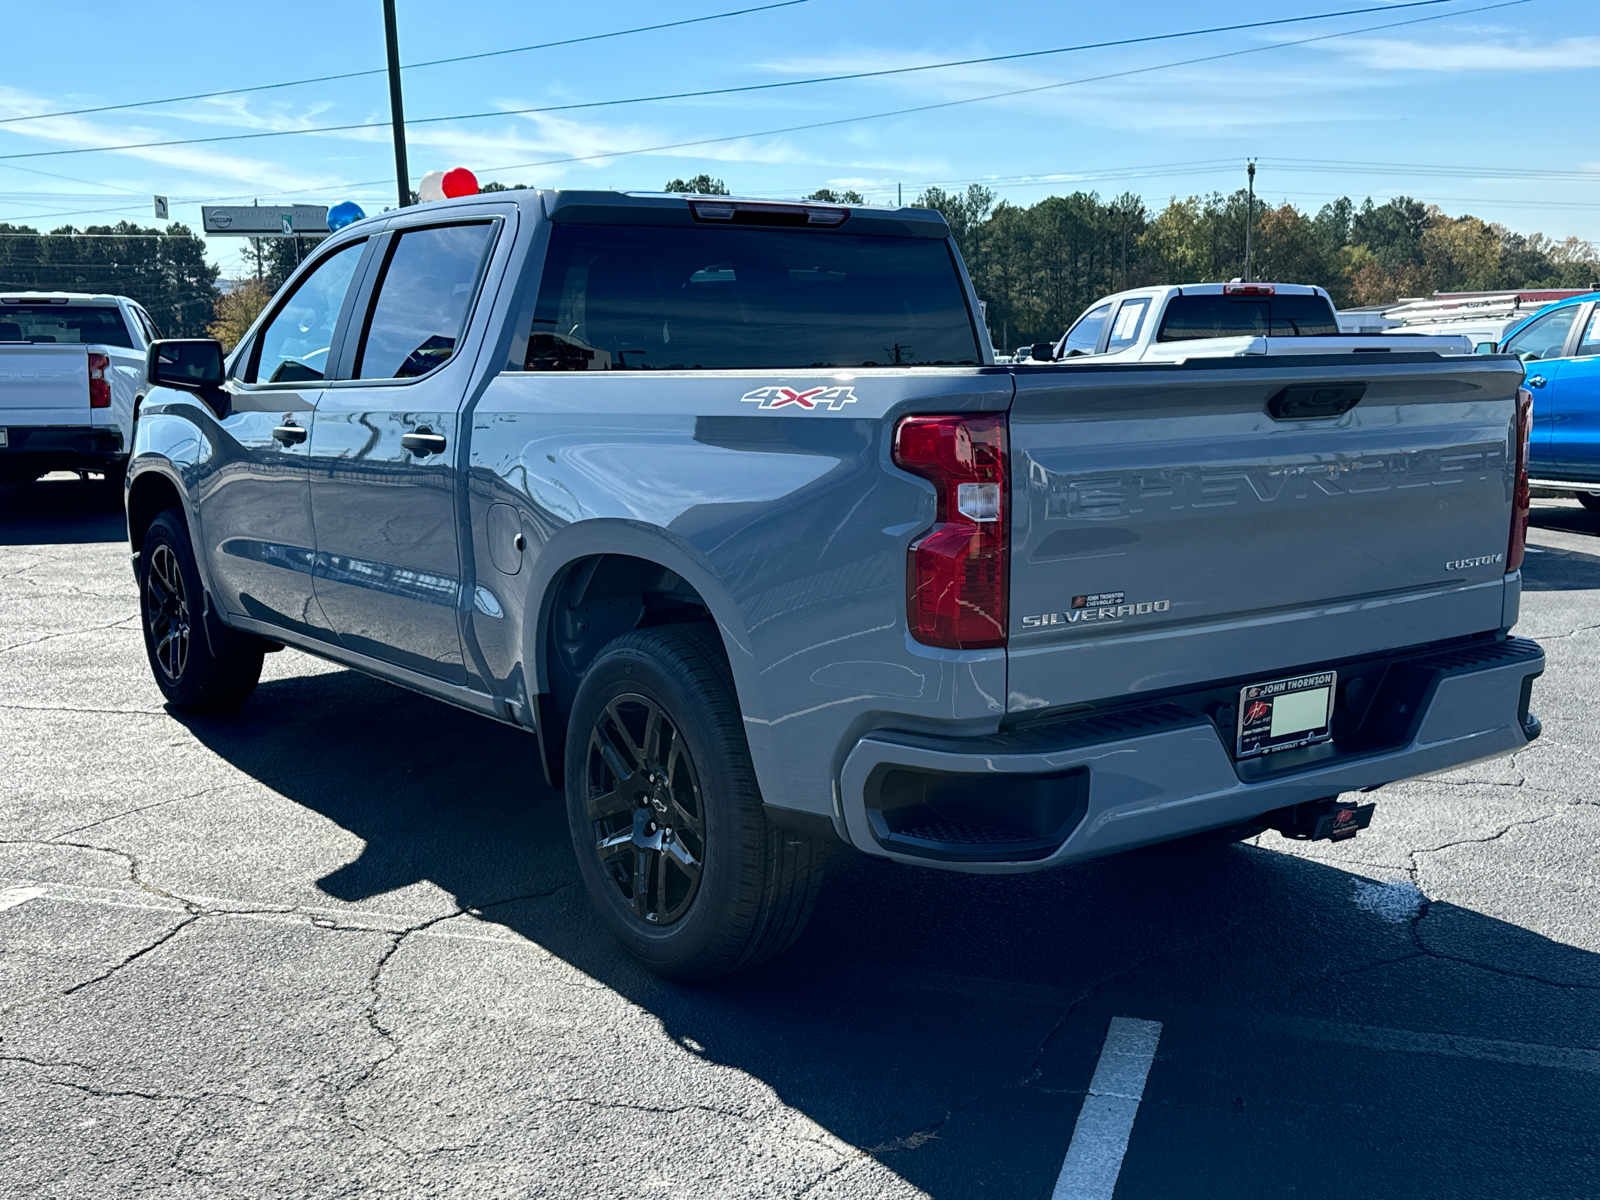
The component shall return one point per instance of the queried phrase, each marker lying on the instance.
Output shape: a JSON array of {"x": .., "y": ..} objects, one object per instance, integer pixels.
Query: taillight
[
  {"x": 1249, "y": 289},
  {"x": 956, "y": 572},
  {"x": 99, "y": 385},
  {"x": 1520, "y": 496}
]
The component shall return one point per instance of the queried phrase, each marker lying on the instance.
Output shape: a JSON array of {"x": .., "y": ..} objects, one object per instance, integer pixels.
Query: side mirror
[
  {"x": 192, "y": 364},
  {"x": 1484, "y": 348},
  {"x": 1043, "y": 352}
]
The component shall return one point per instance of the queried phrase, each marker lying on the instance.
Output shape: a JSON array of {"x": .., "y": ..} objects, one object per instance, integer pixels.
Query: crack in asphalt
[
  {"x": 139, "y": 809},
  {"x": 67, "y": 633}
]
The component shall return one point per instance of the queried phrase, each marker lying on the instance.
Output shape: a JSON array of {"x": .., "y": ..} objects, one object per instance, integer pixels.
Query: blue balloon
[{"x": 344, "y": 214}]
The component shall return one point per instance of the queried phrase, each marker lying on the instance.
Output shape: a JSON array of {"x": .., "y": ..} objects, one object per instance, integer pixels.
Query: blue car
[{"x": 1560, "y": 347}]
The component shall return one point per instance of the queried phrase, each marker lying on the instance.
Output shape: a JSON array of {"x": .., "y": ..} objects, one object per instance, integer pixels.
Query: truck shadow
[
  {"x": 947, "y": 1025},
  {"x": 60, "y": 512}
]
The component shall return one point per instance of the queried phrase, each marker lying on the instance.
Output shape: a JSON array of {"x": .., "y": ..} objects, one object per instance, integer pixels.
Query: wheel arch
[{"x": 592, "y": 589}]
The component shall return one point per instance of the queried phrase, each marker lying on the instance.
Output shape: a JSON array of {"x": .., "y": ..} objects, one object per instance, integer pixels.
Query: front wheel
[
  {"x": 1590, "y": 500},
  {"x": 674, "y": 848},
  {"x": 194, "y": 672}
]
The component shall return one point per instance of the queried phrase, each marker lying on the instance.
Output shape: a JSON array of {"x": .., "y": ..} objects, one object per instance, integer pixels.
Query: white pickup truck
[
  {"x": 1222, "y": 320},
  {"x": 72, "y": 370}
]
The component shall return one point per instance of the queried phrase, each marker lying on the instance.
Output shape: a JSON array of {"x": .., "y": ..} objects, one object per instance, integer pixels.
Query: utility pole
[
  {"x": 899, "y": 198},
  {"x": 397, "y": 116},
  {"x": 1250, "y": 220}
]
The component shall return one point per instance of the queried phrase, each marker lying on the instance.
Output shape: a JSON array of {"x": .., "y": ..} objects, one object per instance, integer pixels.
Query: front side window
[
  {"x": 423, "y": 298},
  {"x": 617, "y": 297},
  {"x": 294, "y": 345},
  {"x": 1125, "y": 328},
  {"x": 1546, "y": 337},
  {"x": 1083, "y": 337},
  {"x": 79, "y": 324}
]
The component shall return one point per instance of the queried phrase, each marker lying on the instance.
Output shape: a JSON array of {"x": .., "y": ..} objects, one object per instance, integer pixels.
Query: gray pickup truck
[{"x": 727, "y": 503}]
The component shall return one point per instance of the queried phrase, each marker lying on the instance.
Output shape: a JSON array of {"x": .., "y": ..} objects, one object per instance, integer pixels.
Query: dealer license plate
[{"x": 1286, "y": 713}]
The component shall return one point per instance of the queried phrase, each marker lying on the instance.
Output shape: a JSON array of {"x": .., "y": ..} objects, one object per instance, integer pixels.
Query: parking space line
[
  {"x": 1100, "y": 1138},
  {"x": 11, "y": 897}
]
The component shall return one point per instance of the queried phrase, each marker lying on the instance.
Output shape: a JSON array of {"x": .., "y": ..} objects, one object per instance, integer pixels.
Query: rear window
[
  {"x": 617, "y": 297},
  {"x": 77, "y": 323},
  {"x": 1189, "y": 317}
]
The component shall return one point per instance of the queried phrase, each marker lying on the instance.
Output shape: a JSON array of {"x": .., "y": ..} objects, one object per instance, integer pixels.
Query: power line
[
  {"x": 267, "y": 87},
  {"x": 921, "y": 108},
  {"x": 552, "y": 108}
]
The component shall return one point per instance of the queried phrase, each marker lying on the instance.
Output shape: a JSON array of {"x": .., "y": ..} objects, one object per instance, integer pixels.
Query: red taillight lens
[
  {"x": 99, "y": 385},
  {"x": 956, "y": 572},
  {"x": 1249, "y": 289},
  {"x": 1520, "y": 496}
]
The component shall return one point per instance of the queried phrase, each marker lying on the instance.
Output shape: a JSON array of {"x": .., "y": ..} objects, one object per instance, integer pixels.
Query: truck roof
[
  {"x": 61, "y": 298},
  {"x": 682, "y": 208}
]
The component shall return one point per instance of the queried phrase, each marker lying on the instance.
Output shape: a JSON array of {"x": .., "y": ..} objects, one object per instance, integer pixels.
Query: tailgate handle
[{"x": 1307, "y": 401}]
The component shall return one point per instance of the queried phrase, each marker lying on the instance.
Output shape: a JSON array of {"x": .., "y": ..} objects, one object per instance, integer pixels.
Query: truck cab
[{"x": 1174, "y": 323}]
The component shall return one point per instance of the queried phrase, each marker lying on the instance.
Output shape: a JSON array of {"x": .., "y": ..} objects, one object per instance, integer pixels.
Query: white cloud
[{"x": 1483, "y": 54}]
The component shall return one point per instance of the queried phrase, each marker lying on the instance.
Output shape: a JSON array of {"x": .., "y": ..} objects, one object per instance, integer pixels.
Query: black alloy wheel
[
  {"x": 675, "y": 849},
  {"x": 643, "y": 797},
  {"x": 198, "y": 669},
  {"x": 166, "y": 614}
]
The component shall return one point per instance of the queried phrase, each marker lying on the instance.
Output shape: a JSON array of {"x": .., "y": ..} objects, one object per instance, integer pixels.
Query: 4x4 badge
[{"x": 818, "y": 397}]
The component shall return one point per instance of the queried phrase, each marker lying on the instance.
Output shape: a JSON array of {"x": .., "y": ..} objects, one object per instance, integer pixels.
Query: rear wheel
[
  {"x": 195, "y": 673},
  {"x": 666, "y": 817},
  {"x": 1590, "y": 500}
]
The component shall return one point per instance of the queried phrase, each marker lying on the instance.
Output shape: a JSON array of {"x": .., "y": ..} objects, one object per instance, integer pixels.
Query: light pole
[
  {"x": 1249, "y": 219},
  {"x": 397, "y": 116}
]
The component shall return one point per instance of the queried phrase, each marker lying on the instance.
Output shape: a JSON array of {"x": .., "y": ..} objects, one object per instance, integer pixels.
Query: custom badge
[{"x": 833, "y": 398}]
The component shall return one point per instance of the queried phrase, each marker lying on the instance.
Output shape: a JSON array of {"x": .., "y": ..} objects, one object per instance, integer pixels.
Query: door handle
[
  {"x": 290, "y": 434},
  {"x": 1536, "y": 381},
  {"x": 423, "y": 442}
]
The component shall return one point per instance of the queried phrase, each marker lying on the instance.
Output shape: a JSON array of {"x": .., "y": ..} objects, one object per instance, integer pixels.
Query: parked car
[
  {"x": 1169, "y": 323},
  {"x": 726, "y": 502},
  {"x": 72, "y": 370},
  {"x": 1560, "y": 346}
]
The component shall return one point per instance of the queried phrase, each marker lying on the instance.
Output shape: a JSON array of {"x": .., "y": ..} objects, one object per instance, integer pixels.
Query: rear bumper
[
  {"x": 41, "y": 448},
  {"x": 1092, "y": 785}
]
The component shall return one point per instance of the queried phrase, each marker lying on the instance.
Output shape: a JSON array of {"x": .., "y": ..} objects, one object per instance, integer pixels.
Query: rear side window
[
  {"x": 293, "y": 348},
  {"x": 424, "y": 295},
  {"x": 80, "y": 324},
  {"x": 1083, "y": 337},
  {"x": 619, "y": 297},
  {"x": 1591, "y": 336},
  {"x": 1129, "y": 321},
  {"x": 1190, "y": 317}
]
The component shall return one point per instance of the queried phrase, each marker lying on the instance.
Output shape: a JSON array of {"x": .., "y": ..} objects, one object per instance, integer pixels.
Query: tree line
[{"x": 1037, "y": 267}]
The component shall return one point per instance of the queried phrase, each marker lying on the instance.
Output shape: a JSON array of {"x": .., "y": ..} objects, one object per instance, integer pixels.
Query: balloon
[
  {"x": 460, "y": 182},
  {"x": 344, "y": 214},
  {"x": 431, "y": 187}
]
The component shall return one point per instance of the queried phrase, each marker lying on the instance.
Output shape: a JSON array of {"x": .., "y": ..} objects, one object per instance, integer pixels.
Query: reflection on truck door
[{"x": 382, "y": 455}]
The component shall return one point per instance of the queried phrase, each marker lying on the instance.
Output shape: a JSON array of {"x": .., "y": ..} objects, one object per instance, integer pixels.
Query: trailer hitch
[{"x": 1328, "y": 819}]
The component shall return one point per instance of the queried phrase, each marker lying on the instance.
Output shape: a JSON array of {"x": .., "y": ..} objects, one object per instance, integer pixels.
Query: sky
[{"x": 1476, "y": 106}]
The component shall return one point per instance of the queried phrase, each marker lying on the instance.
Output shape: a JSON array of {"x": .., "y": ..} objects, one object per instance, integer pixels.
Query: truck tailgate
[
  {"x": 1168, "y": 531},
  {"x": 44, "y": 385}
]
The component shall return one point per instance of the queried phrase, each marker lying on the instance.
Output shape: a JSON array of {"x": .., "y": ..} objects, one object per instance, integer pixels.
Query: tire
[
  {"x": 1590, "y": 500},
  {"x": 195, "y": 673},
  {"x": 686, "y": 871}
]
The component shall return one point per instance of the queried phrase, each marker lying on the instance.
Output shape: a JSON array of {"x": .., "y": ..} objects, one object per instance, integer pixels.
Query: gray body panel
[{"x": 1276, "y": 546}]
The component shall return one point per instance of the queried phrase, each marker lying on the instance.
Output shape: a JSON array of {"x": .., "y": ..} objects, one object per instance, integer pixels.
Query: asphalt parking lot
[{"x": 336, "y": 945}]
